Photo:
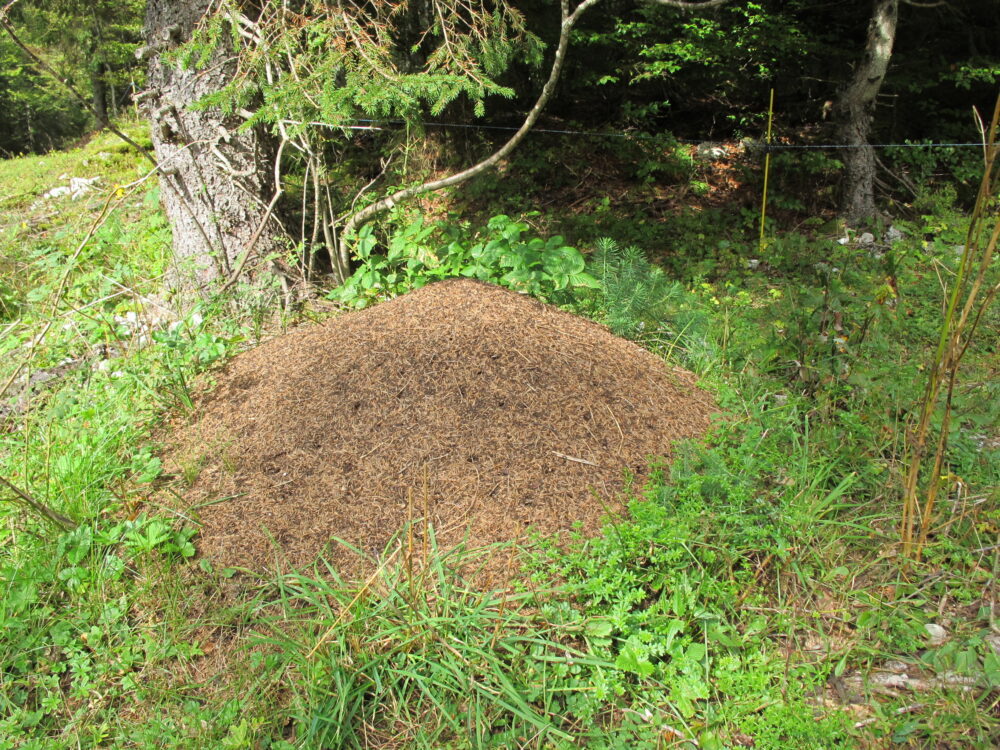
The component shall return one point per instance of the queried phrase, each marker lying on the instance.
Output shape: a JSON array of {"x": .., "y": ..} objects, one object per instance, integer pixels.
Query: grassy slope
[{"x": 744, "y": 599}]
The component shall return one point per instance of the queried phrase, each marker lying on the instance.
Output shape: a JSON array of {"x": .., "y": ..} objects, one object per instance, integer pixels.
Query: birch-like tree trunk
[{"x": 856, "y": 109}]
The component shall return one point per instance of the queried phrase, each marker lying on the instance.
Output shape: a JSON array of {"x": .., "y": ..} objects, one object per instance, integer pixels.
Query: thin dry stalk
[{"x": 965, "y": 309}]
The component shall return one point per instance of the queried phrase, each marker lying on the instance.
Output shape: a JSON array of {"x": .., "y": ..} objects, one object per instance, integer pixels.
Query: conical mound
[{"x": 490, "y": 410}]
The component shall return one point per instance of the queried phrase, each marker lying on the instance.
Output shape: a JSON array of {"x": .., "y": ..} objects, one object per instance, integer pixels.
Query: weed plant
[
  {"x": 544, "y": 268},
  {"x": 419, "y": 657}
]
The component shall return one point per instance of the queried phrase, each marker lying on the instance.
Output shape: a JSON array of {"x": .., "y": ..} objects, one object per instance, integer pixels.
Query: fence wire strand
[{"x": 646, "y": 136}]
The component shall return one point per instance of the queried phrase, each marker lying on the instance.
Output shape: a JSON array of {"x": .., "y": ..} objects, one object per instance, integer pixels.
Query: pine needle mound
[{"x": 486, "y": 409}]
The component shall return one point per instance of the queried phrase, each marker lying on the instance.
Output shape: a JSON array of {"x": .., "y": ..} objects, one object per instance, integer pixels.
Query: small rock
[
  {"x": 887, "y": 680},
  {"x": 80, "y": 186},
  {"x": 753, "y": 263},
  {"x": 936, "y": 634},
  {"x": 57, "y": 192},
  {"x": 893, "y": 235},
  {"x": 994, "y": 640},
  {"x": 866, "y": 239},
  {"x": 711, "y": 151}
]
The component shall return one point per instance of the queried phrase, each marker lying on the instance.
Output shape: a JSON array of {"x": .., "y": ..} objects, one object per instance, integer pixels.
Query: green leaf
[
  {"x": 634, "y": 659},
  {"x": 904, "y": 730},
  {"x": 841, "y": 665},
  {"x": 991, "y": 668},
  {"x": 584, "y": 280},
  {"x": 599, "y": 628},
  {"x": 366, "y": 243},
  {"x": 152, "y": 469},
  {"x": 564, "y": 260}
]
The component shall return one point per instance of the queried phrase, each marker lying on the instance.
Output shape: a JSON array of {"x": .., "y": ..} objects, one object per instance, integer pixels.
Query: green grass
[{"x": 753, "y": 585}]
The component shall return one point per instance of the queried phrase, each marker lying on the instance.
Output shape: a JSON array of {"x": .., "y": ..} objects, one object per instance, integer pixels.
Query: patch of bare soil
[{"x": 492, "y": 411}]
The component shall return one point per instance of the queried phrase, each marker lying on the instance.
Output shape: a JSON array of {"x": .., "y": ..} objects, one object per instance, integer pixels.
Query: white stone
[
  {"x": 711, "y": 151},
  {"x": 80, "y": 186},
  {"x": 936, "y": 634}
]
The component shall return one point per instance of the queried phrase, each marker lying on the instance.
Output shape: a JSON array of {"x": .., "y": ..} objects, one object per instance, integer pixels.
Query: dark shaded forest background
[{"x": 632, "y": 67}]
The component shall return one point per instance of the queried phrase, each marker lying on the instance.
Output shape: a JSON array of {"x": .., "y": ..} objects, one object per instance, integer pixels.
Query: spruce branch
[{"x": 353, "y": 221}]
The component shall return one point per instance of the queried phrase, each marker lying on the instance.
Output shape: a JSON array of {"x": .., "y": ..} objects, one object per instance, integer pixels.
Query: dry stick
[
  {"x": 503, "y": 601},
  {"x": 409, "y": 540},
  {"x": 105, "y": 123},
  {"x": 303, "y": 261},
  {"x": 234, "y": 275},
  {"x": 572, "y": 458},
  {"x": 955, "y": 353},
  {"x": 951, "y": 348},
  {"x": 427, "y": 521},
  {"x": 359, "y": 217},
  {"x": 63, "y": 522},
  {"x": 620, "y": 432},
  {"x": 57, "y": 295},
  {"x": 898, "y": 712}
]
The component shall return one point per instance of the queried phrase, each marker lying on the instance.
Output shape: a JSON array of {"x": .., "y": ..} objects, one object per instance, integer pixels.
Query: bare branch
[
  {"x": 387, "y": 203},
  {"x": 234, "y": 275},
  {"x": 569, "y": 20}
]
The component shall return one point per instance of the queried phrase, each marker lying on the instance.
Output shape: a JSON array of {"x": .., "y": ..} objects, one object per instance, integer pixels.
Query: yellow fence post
[{"x": 767, "y": 172}]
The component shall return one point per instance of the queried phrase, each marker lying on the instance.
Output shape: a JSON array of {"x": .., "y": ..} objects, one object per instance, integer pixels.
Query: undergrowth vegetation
[{"x": 752, "y": 595}]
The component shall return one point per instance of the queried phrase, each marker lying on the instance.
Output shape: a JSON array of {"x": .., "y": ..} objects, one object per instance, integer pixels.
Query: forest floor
[{"x": 743, "y": 588}]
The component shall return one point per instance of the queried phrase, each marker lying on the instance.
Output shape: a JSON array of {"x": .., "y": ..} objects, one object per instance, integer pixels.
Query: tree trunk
[
  {"x": 100, "y": 92},
  {"x": 216, "y": 183},
  {"x": 856, "y": 109}
]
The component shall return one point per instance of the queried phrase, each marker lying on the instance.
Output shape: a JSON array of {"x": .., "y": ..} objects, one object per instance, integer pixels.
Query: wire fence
[{"x": 647, "y": 136}]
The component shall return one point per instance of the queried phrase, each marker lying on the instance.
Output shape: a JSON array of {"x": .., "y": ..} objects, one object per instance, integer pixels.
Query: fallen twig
[
  {"x": 898, "y": 712},
  {"x": 571, "y": 458},
  {"x": 63, "y": 522}
]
